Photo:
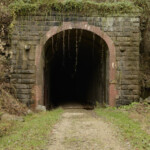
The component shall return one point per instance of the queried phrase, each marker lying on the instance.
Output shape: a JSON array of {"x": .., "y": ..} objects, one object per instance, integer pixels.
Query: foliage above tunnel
[{"x": 86, "y": 7}]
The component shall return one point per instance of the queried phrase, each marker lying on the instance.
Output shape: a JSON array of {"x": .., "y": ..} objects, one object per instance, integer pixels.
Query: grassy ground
[
  {"x": 31, "y": 134},
  {"x": 131, "y": 121}
]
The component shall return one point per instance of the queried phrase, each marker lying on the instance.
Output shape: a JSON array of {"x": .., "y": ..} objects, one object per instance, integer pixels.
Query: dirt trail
[{"x": 81, "y": 129}]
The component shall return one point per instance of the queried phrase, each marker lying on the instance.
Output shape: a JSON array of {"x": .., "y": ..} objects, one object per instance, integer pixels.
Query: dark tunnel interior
[{"x": 75, "y": 69}]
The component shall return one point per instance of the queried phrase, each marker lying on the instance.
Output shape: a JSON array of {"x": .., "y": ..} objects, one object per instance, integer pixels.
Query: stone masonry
[{"x": 123, "y": 30}]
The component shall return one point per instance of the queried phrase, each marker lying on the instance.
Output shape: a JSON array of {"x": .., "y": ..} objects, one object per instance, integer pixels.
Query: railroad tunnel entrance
[{"x": 75, "y": 69}]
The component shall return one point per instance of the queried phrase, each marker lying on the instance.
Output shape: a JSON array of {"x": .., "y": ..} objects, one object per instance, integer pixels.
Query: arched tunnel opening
[{"x": 75, "y": 69}]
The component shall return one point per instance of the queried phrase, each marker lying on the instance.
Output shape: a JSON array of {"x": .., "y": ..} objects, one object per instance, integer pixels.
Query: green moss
[{"x": 30, "y": 7}]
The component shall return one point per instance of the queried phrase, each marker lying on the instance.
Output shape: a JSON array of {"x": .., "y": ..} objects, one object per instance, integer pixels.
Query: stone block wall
[{"x": 123, "y": 30}]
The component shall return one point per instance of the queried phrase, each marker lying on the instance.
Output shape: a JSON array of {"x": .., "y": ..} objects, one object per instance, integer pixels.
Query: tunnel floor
[{"x": 75, "y": 69}]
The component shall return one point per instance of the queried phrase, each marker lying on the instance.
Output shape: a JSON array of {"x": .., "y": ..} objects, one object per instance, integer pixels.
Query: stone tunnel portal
[{"x": 75, "y": 68}]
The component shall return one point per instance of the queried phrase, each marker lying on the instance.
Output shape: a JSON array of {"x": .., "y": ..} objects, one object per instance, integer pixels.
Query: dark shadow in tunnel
[{"x": 76, "y": 69}]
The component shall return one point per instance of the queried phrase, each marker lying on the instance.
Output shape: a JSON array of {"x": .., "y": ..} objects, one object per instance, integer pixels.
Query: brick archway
[{"x": 39, "y": 61}]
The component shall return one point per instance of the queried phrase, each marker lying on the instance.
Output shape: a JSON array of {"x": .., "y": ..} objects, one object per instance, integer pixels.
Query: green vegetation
[
  {"x": 10, "y": 9},
  {"x": 31, "y": 7},
  {"x": 31, "y": 134},
  {"x": 130, "y": 129}
]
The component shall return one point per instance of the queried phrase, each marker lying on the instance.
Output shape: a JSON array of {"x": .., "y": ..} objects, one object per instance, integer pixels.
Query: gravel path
[{"x": 81, "y": 129}]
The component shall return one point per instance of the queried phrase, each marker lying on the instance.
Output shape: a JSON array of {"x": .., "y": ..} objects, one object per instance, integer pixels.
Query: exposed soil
[{"x": 81, "y": 129}]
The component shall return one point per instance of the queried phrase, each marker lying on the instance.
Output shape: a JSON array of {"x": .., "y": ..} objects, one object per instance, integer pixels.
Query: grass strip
[
  {"x": 131, "y": 130},
  {"x": 31, "y": 134}
]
